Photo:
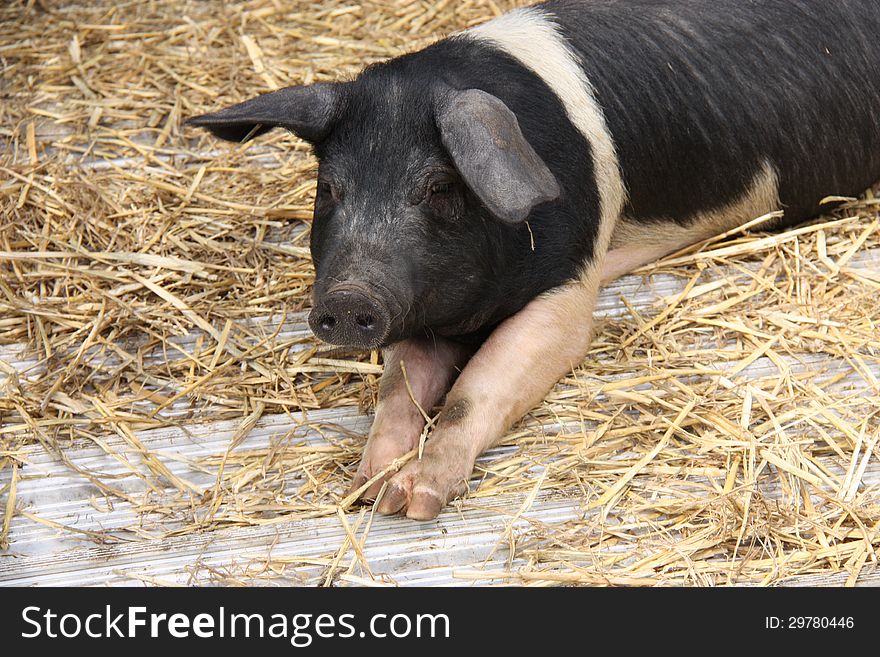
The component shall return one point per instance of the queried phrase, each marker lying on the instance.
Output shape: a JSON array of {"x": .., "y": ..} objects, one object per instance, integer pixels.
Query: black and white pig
[{"x": 473, "y": 196}]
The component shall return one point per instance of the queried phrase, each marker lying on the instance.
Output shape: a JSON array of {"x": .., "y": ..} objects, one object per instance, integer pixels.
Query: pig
[{"x": 473, "y": 196}]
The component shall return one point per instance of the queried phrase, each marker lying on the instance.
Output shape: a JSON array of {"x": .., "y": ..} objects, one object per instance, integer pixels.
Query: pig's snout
[{"x": 349, "y": 315}]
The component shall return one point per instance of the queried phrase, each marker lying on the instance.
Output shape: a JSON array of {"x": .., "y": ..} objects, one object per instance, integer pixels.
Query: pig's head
[{"x": 422, "y": 192}]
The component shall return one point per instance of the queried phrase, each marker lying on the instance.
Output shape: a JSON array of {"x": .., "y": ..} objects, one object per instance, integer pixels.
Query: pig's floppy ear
[
  {"x": 493, "y": 157},
  {"x": 308, "y": 111}
]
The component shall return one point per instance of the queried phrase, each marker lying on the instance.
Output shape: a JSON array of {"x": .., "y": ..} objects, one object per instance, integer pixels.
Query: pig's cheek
[{"x": 422, "y": 488}]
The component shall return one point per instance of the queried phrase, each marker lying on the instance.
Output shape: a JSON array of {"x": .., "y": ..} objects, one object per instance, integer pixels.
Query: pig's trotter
[
  {"x": 430, "y": 367},
  {"x": 511, "y": 373},
  {"x": 423, "y": 487}
]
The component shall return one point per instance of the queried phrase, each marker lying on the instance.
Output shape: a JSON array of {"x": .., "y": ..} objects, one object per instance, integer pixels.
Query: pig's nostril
[
  {"x": 366, "y": 322},
  {"x": 327, "y": 322}
]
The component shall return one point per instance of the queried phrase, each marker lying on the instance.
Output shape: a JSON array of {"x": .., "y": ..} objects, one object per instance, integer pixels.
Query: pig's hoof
[
  {"x": 421, "y": 493},
  {"x": 395, "y": 499},
  {"x": 425, "y": 504}
]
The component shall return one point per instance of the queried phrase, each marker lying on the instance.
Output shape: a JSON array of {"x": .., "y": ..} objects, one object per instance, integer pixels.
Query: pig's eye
[
  {"x": 440, "y": 188},
  {"x": 327, "y": 191},
  {"x": 440, "y": 197}
]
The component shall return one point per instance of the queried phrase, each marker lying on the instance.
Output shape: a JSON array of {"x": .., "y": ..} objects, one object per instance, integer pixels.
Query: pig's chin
[{"x": 465, "y": 325}]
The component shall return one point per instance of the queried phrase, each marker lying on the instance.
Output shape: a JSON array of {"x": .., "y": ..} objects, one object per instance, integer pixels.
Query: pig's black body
[{"x": 698, "y": 96}]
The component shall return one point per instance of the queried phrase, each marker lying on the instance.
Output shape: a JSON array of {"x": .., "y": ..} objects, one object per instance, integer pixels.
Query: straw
[{"x": 152, "y": 277}]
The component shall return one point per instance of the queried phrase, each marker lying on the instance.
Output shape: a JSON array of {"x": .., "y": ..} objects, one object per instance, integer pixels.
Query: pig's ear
[
  {"x": 307, "y": 111},
  {"x": 493, "y": 157}
]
